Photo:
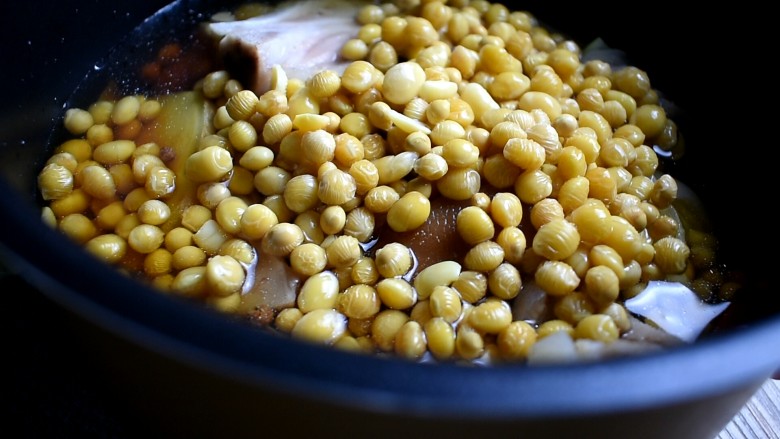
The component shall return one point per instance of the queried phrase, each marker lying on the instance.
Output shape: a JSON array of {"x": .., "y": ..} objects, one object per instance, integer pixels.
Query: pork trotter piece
[{"x": 302, "y": 37}]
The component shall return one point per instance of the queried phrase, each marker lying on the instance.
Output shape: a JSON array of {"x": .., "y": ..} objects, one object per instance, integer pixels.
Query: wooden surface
[{"x": 760, "y": 418}]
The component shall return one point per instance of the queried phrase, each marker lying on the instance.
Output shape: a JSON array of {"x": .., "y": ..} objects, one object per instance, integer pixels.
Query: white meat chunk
[
  {"x": 674, "y": 308},
  {"x": 301, "y": 37}
]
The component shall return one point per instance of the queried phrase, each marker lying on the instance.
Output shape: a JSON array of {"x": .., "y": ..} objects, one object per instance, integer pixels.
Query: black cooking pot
[{"x": 185, "y": 370}]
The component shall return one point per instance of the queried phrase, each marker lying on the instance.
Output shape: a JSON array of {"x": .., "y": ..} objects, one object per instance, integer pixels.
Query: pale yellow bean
[
  {"x": 396, "y": 293},
  {"x": 319, "y": 291},
  {"x": 308, "y": 259},
  {"x": 409, "y": 212},
  {"x": 224, "y": 275},
  {"x": 323, "y": 326},
  {"x": 210, "y": 164}
]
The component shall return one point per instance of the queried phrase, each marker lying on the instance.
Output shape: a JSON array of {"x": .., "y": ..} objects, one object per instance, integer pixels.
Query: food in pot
[{"x": 448, "y": 182}]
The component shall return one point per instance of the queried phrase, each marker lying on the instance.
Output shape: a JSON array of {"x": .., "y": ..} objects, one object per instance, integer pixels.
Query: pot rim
[{"x": 201, "y": 338}]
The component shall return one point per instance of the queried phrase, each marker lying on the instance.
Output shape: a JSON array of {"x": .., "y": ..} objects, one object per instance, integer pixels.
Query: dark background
[{"x": 52, "y": 385}]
